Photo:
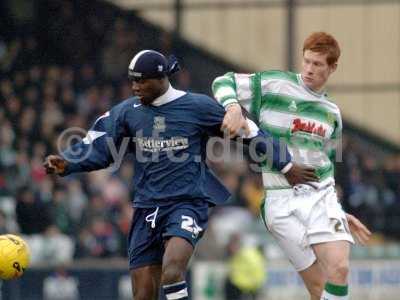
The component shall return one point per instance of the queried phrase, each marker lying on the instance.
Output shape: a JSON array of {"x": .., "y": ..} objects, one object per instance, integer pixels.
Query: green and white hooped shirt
[{"x": 308, "y": 122}]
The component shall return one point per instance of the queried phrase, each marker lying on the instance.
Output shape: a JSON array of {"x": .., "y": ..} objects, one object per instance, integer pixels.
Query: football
[{"x": 14, "y": 256}]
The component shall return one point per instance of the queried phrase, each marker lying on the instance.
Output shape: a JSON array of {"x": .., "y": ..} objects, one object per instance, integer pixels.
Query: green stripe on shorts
[{"x": 262, "y": 210}]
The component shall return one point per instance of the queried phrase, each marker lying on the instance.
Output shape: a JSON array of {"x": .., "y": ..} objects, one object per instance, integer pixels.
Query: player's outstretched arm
[
  {"x": 261, "y": 143},
  {"x": 358, "y": 229},
  {"x": 278, "y": 159},
  {"x": 96, "y": 151}
]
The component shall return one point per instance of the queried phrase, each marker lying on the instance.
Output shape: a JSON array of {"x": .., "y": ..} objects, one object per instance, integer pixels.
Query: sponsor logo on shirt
[
  {"x": 149, "y": 144},
  {"x": 308, "y": 126}
]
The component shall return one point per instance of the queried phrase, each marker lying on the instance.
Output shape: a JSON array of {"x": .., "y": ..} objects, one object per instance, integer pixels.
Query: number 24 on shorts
[
  {"x": 189, "y": 224},
  {"x": 341, "y": 225}
]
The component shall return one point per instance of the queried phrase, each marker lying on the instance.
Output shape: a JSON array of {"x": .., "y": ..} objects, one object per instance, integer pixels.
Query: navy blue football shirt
[{"x": 168, "y": 141}]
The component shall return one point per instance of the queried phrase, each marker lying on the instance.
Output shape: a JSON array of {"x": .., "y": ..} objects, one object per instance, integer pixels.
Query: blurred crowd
[{"x": 88, "y": 215}]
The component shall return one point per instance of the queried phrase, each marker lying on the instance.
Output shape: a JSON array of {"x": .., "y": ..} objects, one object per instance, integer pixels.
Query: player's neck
[
  {"x": 170, "y": 95},
  {"x": 318, "y": 91}
]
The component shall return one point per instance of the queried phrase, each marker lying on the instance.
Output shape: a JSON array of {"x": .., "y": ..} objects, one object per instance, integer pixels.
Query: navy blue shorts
[{"x": 151, "y": 227}]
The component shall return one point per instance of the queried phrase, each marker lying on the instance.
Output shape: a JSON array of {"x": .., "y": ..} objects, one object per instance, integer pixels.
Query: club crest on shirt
[
  {"x": 293, "y": 106},
  {"x": 159, "y": 123}
]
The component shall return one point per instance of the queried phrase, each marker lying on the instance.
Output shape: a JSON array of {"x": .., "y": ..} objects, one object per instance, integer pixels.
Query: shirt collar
[
  {"x": 316, "y": 94},
  {"x": 170, "y": 95}
]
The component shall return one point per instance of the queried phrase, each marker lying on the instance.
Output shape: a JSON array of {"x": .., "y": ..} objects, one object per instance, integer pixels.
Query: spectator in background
[
  {"x": 7, "y": 61},
  {"x": 52, "y": 247},
  {"x": 122, "y": 44},
  {"x": 60, "y": 286},
  {"x": 97, "y": 209},
  {"x": 123, "y": 223},
  {"x": 7, "y": 151},
  {"x": 22, "y": 170},
  {"x": 86, "y": 78},
  {"x": 246, "y": 270},
  {"x": 60, "y": 212},
  {"x": 99, "y": 239},
  {"x": 35, "y": 74},
  {"x": 33, "y": 216},
  {"x": 68, "y": 105},
  {"x": 77, "y": 202},
  {"x": 66, "y": 30},
  {"x": 253, "y": 192},
  {"x": 184, "y": 80}
]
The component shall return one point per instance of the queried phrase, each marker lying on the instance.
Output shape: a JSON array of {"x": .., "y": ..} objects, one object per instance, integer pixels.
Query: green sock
[{"x": 335, "y": 292}]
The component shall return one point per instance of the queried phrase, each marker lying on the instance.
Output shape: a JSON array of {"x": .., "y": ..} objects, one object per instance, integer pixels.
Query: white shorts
[{"x": 301, "y": 217}]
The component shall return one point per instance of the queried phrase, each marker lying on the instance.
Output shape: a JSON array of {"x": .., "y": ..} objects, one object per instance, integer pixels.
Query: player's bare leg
[
  {"x": 176, "y": 258},
  {"x": 146, "y": 282},
  {"x": 314, "y": 280},
  {"x": 333, "y": 258}
]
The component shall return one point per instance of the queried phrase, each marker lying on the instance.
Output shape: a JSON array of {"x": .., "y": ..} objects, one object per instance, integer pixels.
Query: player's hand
[
  {"x": 234, "y": 123},
  {"x": 300, "y": 175},
  {"x": 55, "y": 164},
  {"x": 358, "y": 229}
]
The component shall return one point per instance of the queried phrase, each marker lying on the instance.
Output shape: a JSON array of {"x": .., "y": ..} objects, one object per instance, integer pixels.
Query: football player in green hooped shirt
[{"x": 307, "y": 221}]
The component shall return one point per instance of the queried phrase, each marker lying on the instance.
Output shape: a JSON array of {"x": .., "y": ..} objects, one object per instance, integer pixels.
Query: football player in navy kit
[{"x": 167, "y": 130}]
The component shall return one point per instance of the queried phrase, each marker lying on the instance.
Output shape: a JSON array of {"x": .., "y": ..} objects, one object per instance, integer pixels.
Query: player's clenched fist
[
  {"x": 55, "y": 164},
  {"x": 234, "y": 121},
  {"x": 299, "y": 175}
]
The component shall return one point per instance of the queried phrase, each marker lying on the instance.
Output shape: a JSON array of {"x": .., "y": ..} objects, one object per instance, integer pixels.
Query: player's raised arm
[
  {"x": 229, "y": 90},
  {"x": 96, "y": 151}
]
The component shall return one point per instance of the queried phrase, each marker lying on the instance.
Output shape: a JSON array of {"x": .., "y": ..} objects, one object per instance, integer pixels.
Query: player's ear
[
  {"x": 164, "y": 81},
  {"x": 332, "y": 68}
]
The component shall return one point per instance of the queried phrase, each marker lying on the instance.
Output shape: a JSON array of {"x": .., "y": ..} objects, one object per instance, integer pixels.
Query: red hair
[{"x": 323, "y": 42}]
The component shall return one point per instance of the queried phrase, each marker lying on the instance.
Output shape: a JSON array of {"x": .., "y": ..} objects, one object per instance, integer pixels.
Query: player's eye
[{"x": 137, "y": 80}]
